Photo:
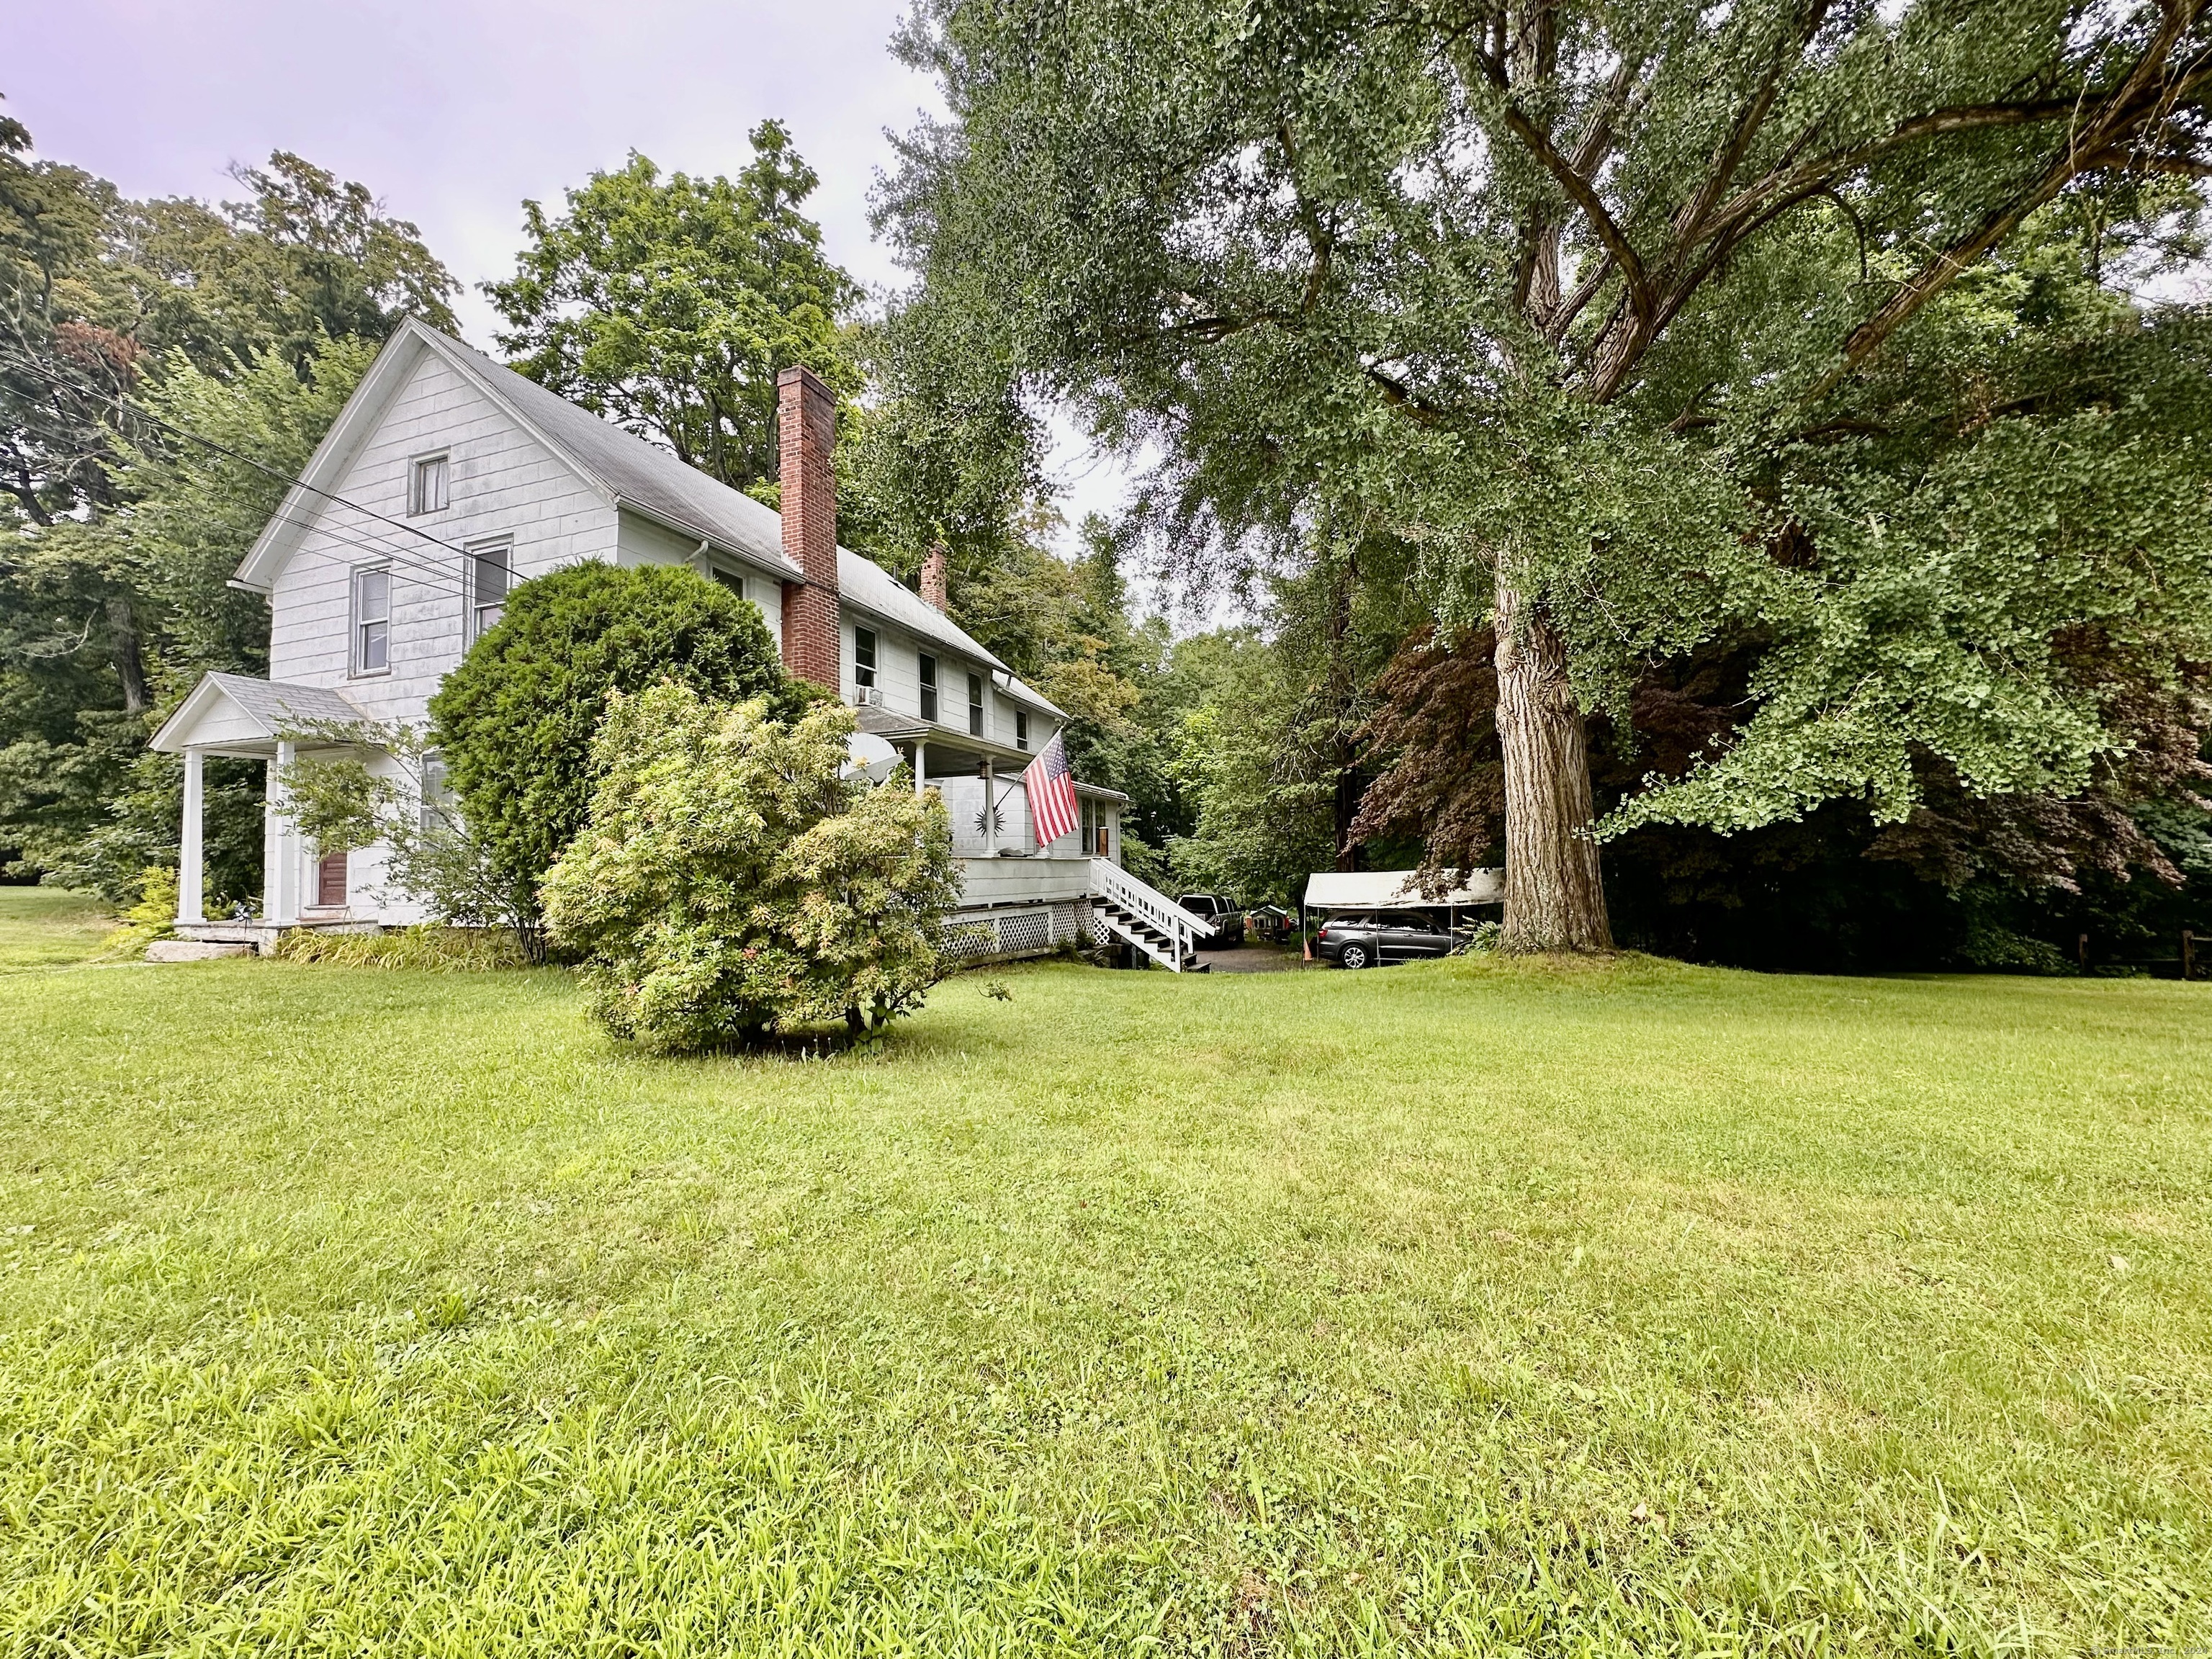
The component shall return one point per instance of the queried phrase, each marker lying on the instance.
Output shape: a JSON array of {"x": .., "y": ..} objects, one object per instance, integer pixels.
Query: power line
[{"x": 429, "y": 574}]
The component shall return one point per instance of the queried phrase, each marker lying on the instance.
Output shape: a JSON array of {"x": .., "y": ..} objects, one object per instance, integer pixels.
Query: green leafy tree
[
  {"x": 670, "y": 306},
  {"x": 517, "y": 720},
  {"x": 1582, "y": 302},
  {"x": 249, "y": 324},
  {"x": 731, "y": 880}
]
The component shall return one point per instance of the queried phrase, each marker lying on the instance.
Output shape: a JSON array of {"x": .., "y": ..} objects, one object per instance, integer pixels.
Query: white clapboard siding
[
  {"x": 644, "y": 542},
  {"x": 502, "y": 485}
]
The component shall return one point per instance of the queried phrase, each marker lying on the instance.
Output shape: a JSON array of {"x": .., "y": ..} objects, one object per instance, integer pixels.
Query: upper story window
[
  {"x": 864, "y": 656},
  {"x": 731, "y": 580},
  {"x": 974, "y": 705},
  {"x": 427, "y": 485},
  {"x": 491, "y": 572},
  {"x": 372, "y": 620},
  {"x": 1021, "y": 728},
  {"x": 928, "y": 664}
]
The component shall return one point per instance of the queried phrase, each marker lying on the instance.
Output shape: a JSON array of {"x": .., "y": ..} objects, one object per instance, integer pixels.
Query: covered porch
[{"x": 239, "y": 717}]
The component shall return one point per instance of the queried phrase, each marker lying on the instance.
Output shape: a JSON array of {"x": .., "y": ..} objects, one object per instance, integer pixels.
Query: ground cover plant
[{"x": 1468, "y": 1307}]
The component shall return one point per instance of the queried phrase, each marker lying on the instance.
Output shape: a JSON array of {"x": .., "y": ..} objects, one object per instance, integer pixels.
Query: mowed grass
[
  {"x": 1457, "y": 1309},
  {"x": 44, "y": 927}
]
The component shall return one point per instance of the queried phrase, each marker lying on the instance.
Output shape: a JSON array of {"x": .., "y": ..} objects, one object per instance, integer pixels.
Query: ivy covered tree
[
  {"x": 1608, "y": 313},
  {"x": 669, "y": 306}
]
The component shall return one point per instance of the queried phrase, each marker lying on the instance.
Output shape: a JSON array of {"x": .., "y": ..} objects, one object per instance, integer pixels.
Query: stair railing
[{"x": 1183, "y": 930}]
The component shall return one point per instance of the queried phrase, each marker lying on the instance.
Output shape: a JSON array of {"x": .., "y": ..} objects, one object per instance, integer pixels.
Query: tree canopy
[
  {"x": 670, "y": 306},
  {"x": 1607, "y": 315}
]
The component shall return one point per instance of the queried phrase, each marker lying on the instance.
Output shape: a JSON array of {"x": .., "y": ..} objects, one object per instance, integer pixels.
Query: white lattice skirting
[{"x": 1032, "y": 931}]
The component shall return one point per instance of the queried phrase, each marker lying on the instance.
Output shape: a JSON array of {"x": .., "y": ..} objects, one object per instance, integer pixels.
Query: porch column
[
  {"x": 188, "y": 843},
  {"x": 282, "y": 877},
  {"x": 990, "y": 810},
  {"x": 920, "y": 749}
]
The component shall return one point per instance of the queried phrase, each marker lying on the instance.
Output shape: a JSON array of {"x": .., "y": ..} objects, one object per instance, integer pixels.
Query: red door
[{"x": 330, "y": 881}]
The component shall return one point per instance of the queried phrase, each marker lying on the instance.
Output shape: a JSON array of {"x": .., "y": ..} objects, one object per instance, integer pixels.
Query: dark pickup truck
[{"x": 1228, "y": 920}]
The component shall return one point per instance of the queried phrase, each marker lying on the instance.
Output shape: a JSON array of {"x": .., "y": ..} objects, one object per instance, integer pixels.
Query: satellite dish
[{"x": 871, "y": 757}]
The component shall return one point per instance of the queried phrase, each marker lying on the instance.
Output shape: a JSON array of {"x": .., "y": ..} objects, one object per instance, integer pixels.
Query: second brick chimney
[
  {"x": 806, "y": 421},
  {"x": 933, "y": 577}
]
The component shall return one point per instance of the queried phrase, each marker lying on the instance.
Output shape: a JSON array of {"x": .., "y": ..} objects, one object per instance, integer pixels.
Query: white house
[{"x": 448, "y": 478}]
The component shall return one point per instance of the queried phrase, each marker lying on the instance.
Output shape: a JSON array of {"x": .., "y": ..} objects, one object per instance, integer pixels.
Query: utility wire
[{"x": 430, "y": 575}]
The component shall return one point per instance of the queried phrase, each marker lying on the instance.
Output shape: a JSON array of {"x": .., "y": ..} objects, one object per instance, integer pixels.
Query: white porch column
[
  {"x": 282, "y": 876},
  {"x": 990, "y": 810},
  {"x": 188, "y": 843},
  {"x": 920, "y": 749}
]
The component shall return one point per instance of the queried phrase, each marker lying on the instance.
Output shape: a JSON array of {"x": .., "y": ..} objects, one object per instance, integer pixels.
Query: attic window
[
  {"x": 974, "y": 705},
  {"x": 426, "y": 489}
]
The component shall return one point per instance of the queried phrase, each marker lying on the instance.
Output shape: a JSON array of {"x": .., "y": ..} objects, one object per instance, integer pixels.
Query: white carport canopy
[{"x": 1383, "y": 890}]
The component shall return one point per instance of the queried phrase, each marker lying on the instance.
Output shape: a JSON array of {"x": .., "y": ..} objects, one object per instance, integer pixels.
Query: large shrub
[
  {"x": 515, "y": 722},
  {"x": 730, "y": 882}
]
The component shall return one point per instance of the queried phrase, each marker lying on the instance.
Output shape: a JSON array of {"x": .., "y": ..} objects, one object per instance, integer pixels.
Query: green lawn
[
  {"x": 43, "y": 927},
  {"x": 1452, "y": 1309}
]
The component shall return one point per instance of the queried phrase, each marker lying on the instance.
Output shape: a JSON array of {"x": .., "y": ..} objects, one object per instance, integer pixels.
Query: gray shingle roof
[
  {"x": 282, "y": 707},
  {"x": 627, "y": 467},
  {"x": 651, "y": 479}
]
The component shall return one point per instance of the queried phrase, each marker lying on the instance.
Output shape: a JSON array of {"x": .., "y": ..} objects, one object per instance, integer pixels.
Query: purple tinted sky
[{"x": 455, "y": 112}]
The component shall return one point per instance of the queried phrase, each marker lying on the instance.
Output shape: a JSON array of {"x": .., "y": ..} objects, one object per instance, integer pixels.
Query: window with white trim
[
  {"x": 974, "y": 705},
  {"x": 864, "y": 656},
  {"x": 491, "y": 572},
  {"x": 1021, "y": 728},
  {"x": 928, "y": 666},
  {"x": 427, "y": 482},
  {"x": 436, "y": 797},
  {"x": 372, "y": 620}
]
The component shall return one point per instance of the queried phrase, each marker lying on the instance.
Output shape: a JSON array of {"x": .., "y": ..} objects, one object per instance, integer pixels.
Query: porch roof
[{"x": 235, "y": 713}]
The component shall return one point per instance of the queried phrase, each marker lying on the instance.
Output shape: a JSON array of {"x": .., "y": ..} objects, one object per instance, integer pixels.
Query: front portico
[{"x": 241, "y": 718}]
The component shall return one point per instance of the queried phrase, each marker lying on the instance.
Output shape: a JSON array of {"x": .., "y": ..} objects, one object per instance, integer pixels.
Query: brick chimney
[
  {"x": 933, "y": 578},
  {"x": 807, "y": 419}
]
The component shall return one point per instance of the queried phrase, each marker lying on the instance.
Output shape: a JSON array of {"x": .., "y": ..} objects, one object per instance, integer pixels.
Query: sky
[{"x": 456, "y": 112}]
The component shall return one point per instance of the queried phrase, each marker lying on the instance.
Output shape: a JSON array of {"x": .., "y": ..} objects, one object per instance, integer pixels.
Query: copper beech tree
[{"x": 1559, "y": 293}]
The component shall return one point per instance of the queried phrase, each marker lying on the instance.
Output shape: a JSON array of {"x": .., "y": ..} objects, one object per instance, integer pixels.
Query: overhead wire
[{"x": 452, "y": 583}]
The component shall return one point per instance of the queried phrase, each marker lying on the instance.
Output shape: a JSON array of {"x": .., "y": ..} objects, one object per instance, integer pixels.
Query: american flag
[{"x": 1051, "y": 792}]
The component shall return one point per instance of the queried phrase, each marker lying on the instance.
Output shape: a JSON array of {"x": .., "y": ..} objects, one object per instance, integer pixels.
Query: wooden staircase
[{"x": 1140, "y": 915}]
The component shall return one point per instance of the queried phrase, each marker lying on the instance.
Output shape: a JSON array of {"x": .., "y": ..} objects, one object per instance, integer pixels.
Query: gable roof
[
  {"x": 273, "y": 706},
  {"x": 621, "y": 469}
]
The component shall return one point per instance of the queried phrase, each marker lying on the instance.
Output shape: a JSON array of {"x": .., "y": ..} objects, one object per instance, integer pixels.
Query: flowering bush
[{"x": 729, "y": 881}]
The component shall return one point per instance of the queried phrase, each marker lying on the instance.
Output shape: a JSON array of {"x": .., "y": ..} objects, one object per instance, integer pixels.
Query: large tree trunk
[
  {"x": 124, "y": 648},
  {"x": 1554, "y": 899}
]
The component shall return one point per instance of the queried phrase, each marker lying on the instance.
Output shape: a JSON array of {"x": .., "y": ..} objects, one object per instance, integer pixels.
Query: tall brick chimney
[
  {"x": 933, "y": 577},
  {"x": 806, "y": 421}
]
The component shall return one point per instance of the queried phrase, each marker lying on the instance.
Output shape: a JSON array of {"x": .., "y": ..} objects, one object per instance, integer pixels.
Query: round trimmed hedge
[{"x": 514, "y": 722}]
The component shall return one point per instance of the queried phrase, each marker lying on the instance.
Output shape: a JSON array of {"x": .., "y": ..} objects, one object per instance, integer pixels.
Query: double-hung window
[
  {"x": 864, "y": 656},
  {"x": 372, "y": 620},
  {"x": 974, "y": 705},
  {"x": 491, "y": 572},
  {"x": 435, "y": 800},
  {"x": 1021, "y": 728},
  {"x": 427, "y": 485},
  {"x": 928, "y": 664}
]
